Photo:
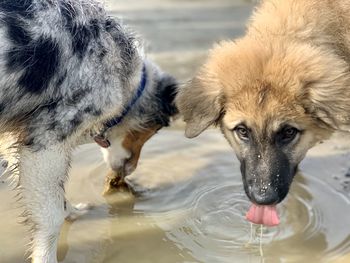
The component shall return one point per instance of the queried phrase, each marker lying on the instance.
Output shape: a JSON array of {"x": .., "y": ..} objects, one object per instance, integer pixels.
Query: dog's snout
[{"x": 264, "y": 195}]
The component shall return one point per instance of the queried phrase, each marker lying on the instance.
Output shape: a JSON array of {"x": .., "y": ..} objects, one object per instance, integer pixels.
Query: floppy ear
[
  {"x": 327, "y": 101},
  {"x": 201, "y": 103},
  {"x": 167, "y": 89}
]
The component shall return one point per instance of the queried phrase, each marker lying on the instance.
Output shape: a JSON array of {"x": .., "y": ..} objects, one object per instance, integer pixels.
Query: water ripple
[{"x": 210, "y": 223}]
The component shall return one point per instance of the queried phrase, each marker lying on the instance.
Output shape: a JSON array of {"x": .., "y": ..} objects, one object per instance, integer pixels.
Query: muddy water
[
  {"x": 191, "y": 206},
  {"x": 191, "y": 209}
]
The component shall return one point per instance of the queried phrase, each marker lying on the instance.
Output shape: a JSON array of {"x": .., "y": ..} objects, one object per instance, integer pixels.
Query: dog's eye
[
  {"x": 288, "y": 134},
  {"x": 242, "y": 132}
]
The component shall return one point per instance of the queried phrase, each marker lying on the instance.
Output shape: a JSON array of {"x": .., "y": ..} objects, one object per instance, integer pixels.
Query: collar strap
[
  {"x": 100, "y": 138},
  {"x": 117, "y": 120}
]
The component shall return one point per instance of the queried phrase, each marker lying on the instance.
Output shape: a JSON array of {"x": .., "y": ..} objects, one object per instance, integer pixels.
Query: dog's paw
[{"x": 77, "y": 211}]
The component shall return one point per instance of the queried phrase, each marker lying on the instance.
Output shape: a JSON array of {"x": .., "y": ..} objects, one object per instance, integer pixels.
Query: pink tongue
[{"x": 263, "y": 215}]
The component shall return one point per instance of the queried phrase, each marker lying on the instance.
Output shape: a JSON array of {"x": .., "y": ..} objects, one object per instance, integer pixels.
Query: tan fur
[
  {"x": 292, "y": 66},
  {"x": 133, "y": 142}
]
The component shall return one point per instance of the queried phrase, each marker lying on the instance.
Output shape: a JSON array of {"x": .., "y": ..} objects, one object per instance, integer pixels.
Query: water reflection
[{"x": 192, "y": 210}]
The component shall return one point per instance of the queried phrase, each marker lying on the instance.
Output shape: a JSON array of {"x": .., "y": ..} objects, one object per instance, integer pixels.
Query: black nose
[{"x": 264, "y": 195}]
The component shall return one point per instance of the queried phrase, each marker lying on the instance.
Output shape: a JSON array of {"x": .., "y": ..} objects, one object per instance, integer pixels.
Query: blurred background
[{"x": 178, "y": 33}]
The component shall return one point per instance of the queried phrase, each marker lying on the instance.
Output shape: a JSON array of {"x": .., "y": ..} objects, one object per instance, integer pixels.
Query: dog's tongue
[{"x": 263, "y": 215}]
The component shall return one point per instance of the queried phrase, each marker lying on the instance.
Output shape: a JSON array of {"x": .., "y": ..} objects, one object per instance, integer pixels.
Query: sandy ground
[{"x": 193, "y": 205}]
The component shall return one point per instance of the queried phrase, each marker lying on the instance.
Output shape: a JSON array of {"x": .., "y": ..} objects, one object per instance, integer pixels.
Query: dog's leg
[{"x": 42, "y": 177}]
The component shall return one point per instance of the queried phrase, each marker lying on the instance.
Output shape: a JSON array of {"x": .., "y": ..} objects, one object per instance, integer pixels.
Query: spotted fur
[{"x": 65, "y": 68}]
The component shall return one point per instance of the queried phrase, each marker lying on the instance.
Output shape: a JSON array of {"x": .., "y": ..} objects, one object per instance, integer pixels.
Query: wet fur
[
  {"x": 291, "y": 68},
  {"x": 66, "y": 67}
]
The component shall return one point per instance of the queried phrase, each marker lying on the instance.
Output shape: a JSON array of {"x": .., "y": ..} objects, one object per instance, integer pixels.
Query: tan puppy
[{"x": 276, "y": 92}]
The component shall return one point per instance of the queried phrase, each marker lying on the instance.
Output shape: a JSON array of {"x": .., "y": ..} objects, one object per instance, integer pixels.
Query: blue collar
[
  {"x": 117, "y": 120},
  {"x": 100, "y": 138}
]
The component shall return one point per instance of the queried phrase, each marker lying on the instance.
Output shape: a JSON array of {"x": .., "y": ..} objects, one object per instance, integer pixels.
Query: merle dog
[{"x": 67, "y": 70}]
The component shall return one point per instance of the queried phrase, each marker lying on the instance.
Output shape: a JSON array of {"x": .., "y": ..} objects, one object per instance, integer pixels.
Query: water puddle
[
  {"x": 210, "y": 223},
  {"x": 193, "y": 210}
]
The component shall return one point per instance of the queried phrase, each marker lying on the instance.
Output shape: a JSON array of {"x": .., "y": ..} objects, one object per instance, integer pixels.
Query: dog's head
[
  {"x": 153, "y": 111},
  {"x": 272, "y": 103}
]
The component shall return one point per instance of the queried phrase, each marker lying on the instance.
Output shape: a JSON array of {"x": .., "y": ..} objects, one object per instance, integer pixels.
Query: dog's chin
[{"x": 126, "y": 170}]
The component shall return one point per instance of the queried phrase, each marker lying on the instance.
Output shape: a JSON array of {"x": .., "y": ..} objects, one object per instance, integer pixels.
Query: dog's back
[
  {"x": 61, "y": 62},
  {"x": 320, "y": 22}
]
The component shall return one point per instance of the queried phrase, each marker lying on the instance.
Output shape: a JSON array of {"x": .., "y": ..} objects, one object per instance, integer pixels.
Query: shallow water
[{"x": 192, "y": 207}]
